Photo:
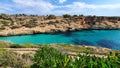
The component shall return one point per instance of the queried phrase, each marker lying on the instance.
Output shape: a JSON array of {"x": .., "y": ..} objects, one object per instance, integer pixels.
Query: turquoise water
[{"x": 103, "y": 38}]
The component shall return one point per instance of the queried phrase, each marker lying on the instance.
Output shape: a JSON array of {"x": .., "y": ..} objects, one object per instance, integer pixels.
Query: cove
[{"x": 103, "y": 38}]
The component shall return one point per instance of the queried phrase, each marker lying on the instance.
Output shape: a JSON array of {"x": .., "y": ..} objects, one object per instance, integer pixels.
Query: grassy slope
[
  {"x": 62, "y": 48},
  {"x": 27, "y": 58}
]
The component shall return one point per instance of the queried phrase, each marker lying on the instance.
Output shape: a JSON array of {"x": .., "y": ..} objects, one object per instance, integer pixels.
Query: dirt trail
[
  {"x": 33, "y": 50},
  {"x": 22, "y": 50}
]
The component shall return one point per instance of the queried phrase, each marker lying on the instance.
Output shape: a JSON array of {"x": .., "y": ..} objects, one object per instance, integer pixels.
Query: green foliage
[
  {"x": 26, "y": 45},
  {"x": 3, "y": 16},
  {"x": 75, "y": 16},
  {"x": 10, "y": 45},
  {"x": 87, "y": 61},
  {"x": 81, "y": 15},
  {"x": 10, "y": 59},
  {"x": 30, "y": 24},
  {"x": 66, "y": 16},
  {"x": 16, "y": 46},
  {"x": 14, "y": 27},
  {"x": 51, "y": 22},
  {"x": 4, "y": 44},
  {"x": 5, "y": 22},
  {"x": 51, "y": 16},
  {"x": 50, "y": 58},
  {"x": 2, "y": 28},
  {"x": 30, "y": 45}
]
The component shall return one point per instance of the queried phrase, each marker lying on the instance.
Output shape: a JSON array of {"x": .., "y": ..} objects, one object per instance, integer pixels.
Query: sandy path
[
  {"x": 33, "y": 50},
  {"x": 22, "y": 50}
]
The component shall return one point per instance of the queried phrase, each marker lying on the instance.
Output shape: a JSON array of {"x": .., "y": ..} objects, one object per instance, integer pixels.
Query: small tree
[
  {"x": 66, "y": 16},
  {"x": 51, "y": 16},
  {"x": 81, "y": 15},
  {"x": 3, "y": 16},
  {"x": 75, "y": 16}
]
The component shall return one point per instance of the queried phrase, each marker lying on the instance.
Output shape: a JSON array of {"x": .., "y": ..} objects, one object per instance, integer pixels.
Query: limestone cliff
[{"x": 20, "y": 24}]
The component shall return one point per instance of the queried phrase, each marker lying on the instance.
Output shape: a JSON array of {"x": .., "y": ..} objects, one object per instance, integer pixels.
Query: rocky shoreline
[{"x": 19, "y": 32}]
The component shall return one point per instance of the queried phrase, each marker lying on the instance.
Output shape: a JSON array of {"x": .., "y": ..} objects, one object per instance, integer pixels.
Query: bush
[
  {"x": 66, "y": 16},
  {"x": 30, "y": 24},
  {"x": 5, "y": 22},
  {"x": 3, "y": 16},
  {"x": 50, "y": 58},
  {"x": 10, "y": 59},
  {"x": 14, "y": 27},
  {"x": 75, "y": 16},
  {"x": 26, "y": 45},
  {"x": 2, "y": 28},
  {"x": 16, "y": 46},
  {"x": 87, "y": 61},
  {"x": 51, "y": 17}
]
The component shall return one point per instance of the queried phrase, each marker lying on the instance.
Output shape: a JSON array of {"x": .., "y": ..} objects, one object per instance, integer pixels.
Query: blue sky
[{"x": 59, "y": 7}]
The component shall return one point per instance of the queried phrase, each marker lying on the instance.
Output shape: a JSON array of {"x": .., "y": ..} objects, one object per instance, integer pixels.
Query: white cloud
[
  {"x": 34, "y": 6},
  {"x": 92, "y": 6},
  {"x": 90, "y": 9},
  {"x": 5, "y": 7},
  {"x": 62, "y": 1},
  {"x": 44, "y": 7}
]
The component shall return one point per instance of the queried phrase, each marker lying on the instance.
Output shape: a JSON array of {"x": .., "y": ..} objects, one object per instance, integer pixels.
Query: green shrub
[
  {"x": 2, "y": 28},
  {"x": 66, "y": 16},
  {"x": 30, "y": 24},
  {"x": 26, "y": 45},
  {"x": 75, "y": 16},
  {"x": 50, "y": 58},
  {"x": 14, "y": 27},
  {"x": 3, "y": 16},
  {"x": 16, "y": 46},
  {"x": 87, "y": 61},
  {"x": 51, "y": 16},
  {"x": 10, "y": 59},
  {"x": 5, "y": 22}
]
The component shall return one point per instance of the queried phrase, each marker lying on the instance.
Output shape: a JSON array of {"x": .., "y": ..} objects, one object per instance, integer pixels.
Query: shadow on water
[
  {"x": 81, "y": 42},
  {"x": 108, "y": 44},
  {"x": 75, "y": 33},
  {"x": 70, "y": 34},
  {"x": 87, "y": 31}
]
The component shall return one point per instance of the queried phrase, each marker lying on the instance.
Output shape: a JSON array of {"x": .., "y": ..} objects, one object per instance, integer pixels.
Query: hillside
[{"x": 19, "y": 24}]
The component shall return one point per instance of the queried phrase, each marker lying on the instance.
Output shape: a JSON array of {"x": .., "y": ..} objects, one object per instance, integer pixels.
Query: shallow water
[{"x": 103, "y": 38}]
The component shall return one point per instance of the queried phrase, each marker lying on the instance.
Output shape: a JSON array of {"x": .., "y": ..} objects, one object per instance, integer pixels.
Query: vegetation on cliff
[{"x": 30, "y": 24}]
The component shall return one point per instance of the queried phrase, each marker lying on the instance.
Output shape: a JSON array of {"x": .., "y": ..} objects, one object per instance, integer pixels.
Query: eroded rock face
[{"x": 23, "y": 24}]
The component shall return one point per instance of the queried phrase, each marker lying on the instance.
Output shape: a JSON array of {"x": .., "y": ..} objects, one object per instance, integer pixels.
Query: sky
[{"x": 60, "y": 7}]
